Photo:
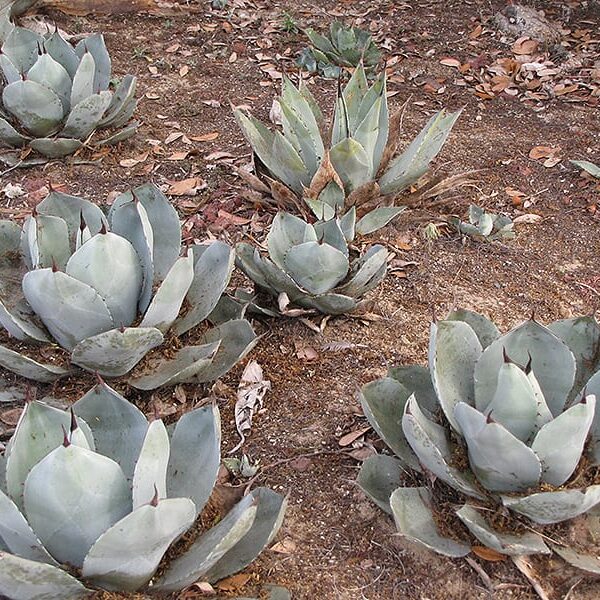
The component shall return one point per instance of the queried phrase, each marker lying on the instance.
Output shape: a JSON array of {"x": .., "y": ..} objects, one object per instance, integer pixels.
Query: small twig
[
  {"x": 283, "y": 461},
  {"x": 588, "y": 287},
  {"x": 482, "y": 574},
  {"x": 526, "y": 569},
  {"x": 568, "y": 594}
]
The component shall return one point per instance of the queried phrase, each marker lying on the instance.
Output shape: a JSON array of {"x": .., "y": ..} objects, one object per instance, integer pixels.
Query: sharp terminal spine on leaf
[
  {"x": 66, "y": 443},
  {"x": 506, "y": 357},
  {"x": 528, "y": 365},
  {"x": 54, "y": 265},
  {"x": 103, "y": 228},
  {"x": 154, "y": 501},
  {"x": 82, "y": 223},
  {"x": 489, "y": 418}
]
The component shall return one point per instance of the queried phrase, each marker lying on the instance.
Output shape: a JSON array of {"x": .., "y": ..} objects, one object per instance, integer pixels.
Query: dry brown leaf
[
  {"x": 129, "y": 163},
  {"x": 173, "y": 136},
  {"x": 186, "y": 187},
  {"x": 325, "y": 173},
  {"x": 524, "y": 45},
  {"x": 488, "y": 554},
  {"x": 205, "y": 137},
  {"x": 348, "y": 438},
  {"x": 285, "y": 546},
  {"x": 538, "y": 152},
  {"x": 448, "y": 61},
  {"x": 234, "y": 583},
  {"x": 528, "y": 218}
]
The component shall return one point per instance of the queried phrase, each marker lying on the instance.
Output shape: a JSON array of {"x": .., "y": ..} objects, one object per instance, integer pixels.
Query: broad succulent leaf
[
  {"x": 23, "y": 579},
  {"x": 486, "y": 330},
  {"x": 414, "y": 161},
  {"x": 38, "y": 432},
  {"x": 585, "y": 562},
  {"x": 431, "y": 443},
  {"x": 559, "y": 443},
  {"x": 500, "y": 461},
  {"x": 590, "y": 167},
  {"x": 414, "y": 520},
  {"x": 271, "y": 508},
  {"x": 117, "y": 426},
  {"x": 383, "y": 402},
  {"x": 552, "y": 362},
  {"x": 378, "y": 477},
  {"x": 126, "y": 556},
  {"x": 29, "y": 368},
  {"x": 378, "y": 218},
  {"x": 150, "y": 474},
  {"x": 210, "y": 547},
  {"x": 115, "y": 352},
  {"x": 17, "y": 535},
  {"x": 70, "y": 309},
  {"x": 454, "y": 351},
  {"x": 417, "y": 379},
  {"x": 214, "y": 263},
  {"x": 553, "y": 507},
  {"x": 197, "y": 433},
  {"x": 525, "y": 543},
  {"x": 71, "y": 497}
]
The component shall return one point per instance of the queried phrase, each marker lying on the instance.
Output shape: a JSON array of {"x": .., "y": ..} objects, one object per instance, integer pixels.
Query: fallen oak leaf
[{"x": 186, "y": 187}]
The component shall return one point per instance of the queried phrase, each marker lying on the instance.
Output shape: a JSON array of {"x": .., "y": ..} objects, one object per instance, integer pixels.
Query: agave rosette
[
  {"x": 55, "y": 96},
  {"x": 523, "y": 407},
  {"x": 344, "y": 47},
  {"x": 105, "y": 492},
  {"x": 359, "y": 166},
  {"x": 312, "y": 264},
  {"x": 108, "y": 289}
]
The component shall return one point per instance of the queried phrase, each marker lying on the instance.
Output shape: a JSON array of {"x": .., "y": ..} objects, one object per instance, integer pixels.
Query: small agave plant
[
  {"x": 55, "y": 95},
  {"x": 311, "y": 264},
  {"x": 345, "y": 47},
  {"x": 108, "y": 290},
  {"x": 484, "y": 225},
  {"x": 521, "y": 406},
  {"x": 100, "y": 495},
  {"x": 360, "y": 163}
]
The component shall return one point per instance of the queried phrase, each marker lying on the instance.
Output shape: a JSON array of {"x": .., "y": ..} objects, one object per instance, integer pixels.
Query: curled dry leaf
[
  {"x": 528, "y": 218},
  {"x": 251, "y": 391}
]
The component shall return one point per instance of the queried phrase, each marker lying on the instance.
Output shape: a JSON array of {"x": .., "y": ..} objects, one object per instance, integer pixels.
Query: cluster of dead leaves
[{"x": 530, "y": 73}]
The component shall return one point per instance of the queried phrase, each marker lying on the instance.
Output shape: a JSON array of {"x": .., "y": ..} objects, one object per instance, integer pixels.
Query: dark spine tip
[
  {"x": 39, "y": 49},
  {"x": 532, "y": 317},
  {"x": 489, "y": 418},
  {"x": 29, "y": 394},
  {"x": 54, "y": 265},
  {"x": 74, "y": 425},
  {"x": 34, "y": 212},
  {"x": 103, "y": 228},
  {"x": 50, "y": 186},
  {"x": 154, "y": 501},
  {"x": 583, "y": 398},
  {"x": 505, "y": 356},
  {"x": 82, "y": 223},
  {"x": 66, "y": 443},
  {"x": 433, "y": 315},
  {"x": 122, "y": 328},
  {"x": 528, "y": 365}
]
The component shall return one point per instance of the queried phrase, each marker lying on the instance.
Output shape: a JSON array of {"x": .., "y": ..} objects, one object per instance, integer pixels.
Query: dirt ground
[{"x": 335, "y": 544}]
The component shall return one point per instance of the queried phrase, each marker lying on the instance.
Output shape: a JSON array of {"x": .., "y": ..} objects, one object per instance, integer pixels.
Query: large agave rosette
[
  {"x": 105, "y": 492},
  {"x": 108, "y": 289},
  {"x": 522, "y": 406}
]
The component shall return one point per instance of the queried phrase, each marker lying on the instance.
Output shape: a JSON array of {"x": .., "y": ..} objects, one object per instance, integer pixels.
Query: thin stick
[
  {"x": 482, "y": 574},
  {"x": 525, "y": 567}
]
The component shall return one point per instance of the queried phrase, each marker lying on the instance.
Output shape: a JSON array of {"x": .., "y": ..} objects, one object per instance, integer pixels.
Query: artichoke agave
[
  {"x": 522, "y": 405},
  {"x": 311, "y": 263},
  {"x": 108, "y": 290},
  {"x": 345, "y": 47},
  {"x": 109, "y": 498},
  {"x": 55, "y": 96},
  {"x": 359, "y": 166}
]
